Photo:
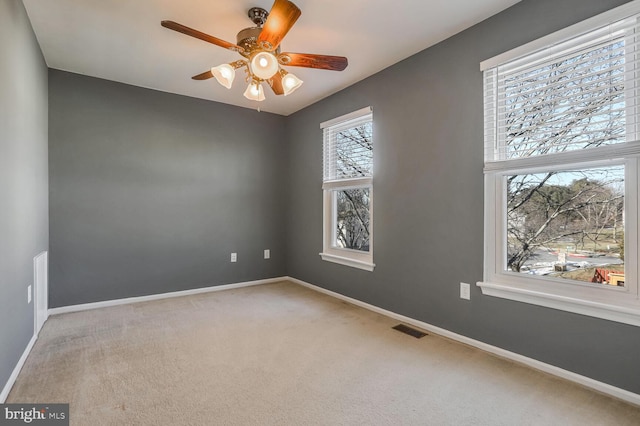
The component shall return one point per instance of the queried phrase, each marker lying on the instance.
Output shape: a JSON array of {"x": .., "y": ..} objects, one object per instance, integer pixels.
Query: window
[
  {"x": 561, "y": 169},
  {"x": 348, "y": 190}
]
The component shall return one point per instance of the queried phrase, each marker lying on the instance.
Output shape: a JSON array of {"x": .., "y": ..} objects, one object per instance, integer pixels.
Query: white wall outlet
[
  {"x": 234, "y": 257},
  {"x": 29, "y": 294},
  {"x": 465, "y": 291},
  {"x": 267, "y": 254}
]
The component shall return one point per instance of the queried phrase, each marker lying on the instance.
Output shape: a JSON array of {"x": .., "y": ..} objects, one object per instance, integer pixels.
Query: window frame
[
  {"x": 607, "y": 302},
  {"x": 331, "y": 253}
]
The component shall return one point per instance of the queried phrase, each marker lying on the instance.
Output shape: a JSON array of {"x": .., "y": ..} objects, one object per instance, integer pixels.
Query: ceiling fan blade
[
  {"x": 281, "y": 18},
  {"x": 204, "y": 76},
  {"x": 202, "y": 36},
  {"x": 276, "y": 84},
  {"x": 308, "y": 60}
]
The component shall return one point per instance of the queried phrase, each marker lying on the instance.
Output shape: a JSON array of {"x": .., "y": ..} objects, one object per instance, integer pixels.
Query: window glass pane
[
  {"x": 567, "y": 224},
  {"x": 352, "y": 219},
  {"x": 574, "y": 102},
  {"x": 354, "y": 151}
]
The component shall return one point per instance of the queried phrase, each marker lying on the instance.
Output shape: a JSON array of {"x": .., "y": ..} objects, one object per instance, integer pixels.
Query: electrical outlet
[
  {"x": 28, "y": 294},
  {"x": 234, "y": 257},
  {"x": 465, "y": 291},
  {"x": 267, "y": 254}
]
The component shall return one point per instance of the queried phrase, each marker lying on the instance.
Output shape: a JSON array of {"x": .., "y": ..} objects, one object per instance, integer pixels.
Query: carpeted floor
[{"x": 281, "y": 354}]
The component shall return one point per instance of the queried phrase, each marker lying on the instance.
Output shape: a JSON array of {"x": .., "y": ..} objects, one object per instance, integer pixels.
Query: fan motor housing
[{"x": 248, "y": 38}]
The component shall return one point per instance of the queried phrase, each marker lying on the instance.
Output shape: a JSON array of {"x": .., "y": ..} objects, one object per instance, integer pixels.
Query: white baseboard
[
  {"x": 16, "y": 370},
  {"x": 115, "y": 302},
  {"x": 604, "y": 388}
]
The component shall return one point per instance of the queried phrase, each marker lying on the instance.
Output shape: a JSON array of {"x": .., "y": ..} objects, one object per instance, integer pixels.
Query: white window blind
[
  {"x": 348, "y": 146},
  {"x": 579, "y": 93}
]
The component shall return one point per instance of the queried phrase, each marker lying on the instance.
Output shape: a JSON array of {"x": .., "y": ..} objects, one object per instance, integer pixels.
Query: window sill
[
  {"x": 367, "y": 266},
  {"x": 623, "y": 314}
]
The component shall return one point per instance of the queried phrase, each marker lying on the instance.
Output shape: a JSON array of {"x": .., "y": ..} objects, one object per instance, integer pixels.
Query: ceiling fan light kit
[
  {"x": 254, "y": 92},
  {"x": 264, "y": 65},
  {"x": 225, "y": 74},
  {"x": 260, "y": 46},
  {"x": 290, "y": 82}
]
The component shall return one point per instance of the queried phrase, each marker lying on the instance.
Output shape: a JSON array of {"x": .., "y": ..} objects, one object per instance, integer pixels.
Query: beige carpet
[{"x": 281, "y": 354}]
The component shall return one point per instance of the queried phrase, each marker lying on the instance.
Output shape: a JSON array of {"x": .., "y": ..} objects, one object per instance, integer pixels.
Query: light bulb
[
  {"x": 254, "y": 92},
  {"x": 264, "y": 65},
  {"x": 290, "y": 83},
  {"x": 225, "y": 74}
]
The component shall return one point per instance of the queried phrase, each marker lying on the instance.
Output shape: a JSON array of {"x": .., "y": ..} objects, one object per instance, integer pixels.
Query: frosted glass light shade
[
  {"x": 224, "y": 74},
  {"x": 264, "y": 65},
  {"x": 290, "y": 83},
  {"x": 254, "y": 92}
]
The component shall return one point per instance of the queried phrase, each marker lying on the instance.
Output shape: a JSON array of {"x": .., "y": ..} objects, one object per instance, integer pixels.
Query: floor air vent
[{"x": 410, "y": 331}]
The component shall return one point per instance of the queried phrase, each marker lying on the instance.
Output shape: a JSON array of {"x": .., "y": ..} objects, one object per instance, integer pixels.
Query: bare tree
[
  {"x": 540, "y": 211},
  {"x": 354, "y": 150},
  {"x": 353, "y": 219},
  {"x": 602, "y": 210}
]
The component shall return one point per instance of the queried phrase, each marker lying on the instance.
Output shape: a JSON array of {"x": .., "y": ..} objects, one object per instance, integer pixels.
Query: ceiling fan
[{"x": 260, "y": 47}]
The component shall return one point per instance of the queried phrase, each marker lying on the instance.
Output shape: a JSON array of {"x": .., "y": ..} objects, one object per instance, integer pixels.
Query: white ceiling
[{"x": 122, "y": 40}]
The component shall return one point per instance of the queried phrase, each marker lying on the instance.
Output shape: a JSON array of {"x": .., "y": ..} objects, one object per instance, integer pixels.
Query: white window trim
[
  {"x": 611, "y": 303},
  {"x": 348, "y": 257},
  {"x": 330, "y": 253},
  {"x": 346, "y": 117},
  {"x": 539, "y": 45}
]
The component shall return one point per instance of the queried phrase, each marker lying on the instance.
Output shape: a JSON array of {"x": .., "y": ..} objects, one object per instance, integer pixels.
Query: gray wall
[
  {"x": 23, "y": 177},
  {"x": 428, "y": 198},
  {"x": 151, "y": 192}
]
